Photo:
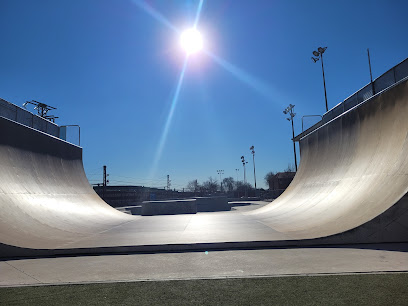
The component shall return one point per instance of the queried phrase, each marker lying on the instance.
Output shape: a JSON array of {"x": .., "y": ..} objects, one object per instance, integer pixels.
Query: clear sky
[{"x": 114, "y": 68}]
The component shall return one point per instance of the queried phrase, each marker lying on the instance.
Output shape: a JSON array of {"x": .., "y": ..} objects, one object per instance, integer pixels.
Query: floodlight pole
[
  {"x": 319, "y": 54},
  {"x": 252, "y": 148},
  {"x": 294, "y": 145},
  {"x": 324, "y": 84},
  {"x": 243, "y": 164},
  {"x": 289, "y": 110},
  {"x": 371, "y": 74},
  {"x": 220, "y": 172}
]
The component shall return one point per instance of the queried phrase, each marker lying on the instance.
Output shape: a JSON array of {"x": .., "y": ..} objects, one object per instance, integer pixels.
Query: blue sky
[{"x": 113, "y": 68}]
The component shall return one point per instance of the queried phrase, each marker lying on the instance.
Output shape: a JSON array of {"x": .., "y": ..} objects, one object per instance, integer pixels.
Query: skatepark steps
[{"x": 350, "y": 188}]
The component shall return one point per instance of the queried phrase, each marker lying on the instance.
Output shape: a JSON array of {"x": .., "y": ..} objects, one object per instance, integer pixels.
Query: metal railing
[
  {"x": 63, "y": 132},
  {"x": 23, "y": 116},
  {"x": 387, "y": 79},
  {"x": 307, "y": 116},
  {"x": 384, "y": 81}
]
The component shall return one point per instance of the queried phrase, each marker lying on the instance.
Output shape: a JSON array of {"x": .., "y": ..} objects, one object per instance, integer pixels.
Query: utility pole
[
  {"x": 105, "y": 181},
  {"x": 168, "y": 182}
]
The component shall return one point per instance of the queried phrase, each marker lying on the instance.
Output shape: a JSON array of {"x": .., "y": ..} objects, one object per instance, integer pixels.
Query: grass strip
[{"x": 372, "y": 289}]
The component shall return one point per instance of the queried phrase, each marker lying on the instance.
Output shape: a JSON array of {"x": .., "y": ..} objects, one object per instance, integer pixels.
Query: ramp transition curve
[{"x": 350, "y": 188}]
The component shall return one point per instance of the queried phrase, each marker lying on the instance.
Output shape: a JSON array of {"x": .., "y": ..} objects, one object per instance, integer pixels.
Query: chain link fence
[{"x": 23, "y": 116}]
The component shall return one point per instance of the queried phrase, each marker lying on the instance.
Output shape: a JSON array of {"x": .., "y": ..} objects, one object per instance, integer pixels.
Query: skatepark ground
[
  {"x": 378, "y": 258},
  {"x": 351, "y": 269},
  {"x": 354, "y": 274},
  {"x": 218, "y": 263}
]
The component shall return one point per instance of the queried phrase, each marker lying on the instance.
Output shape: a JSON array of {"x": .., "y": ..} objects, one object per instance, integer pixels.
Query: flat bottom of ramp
[
  {"x": 166, "y": 233},
  {"x": 213, "y": 227},
  {"x": 231, "y": 230}
]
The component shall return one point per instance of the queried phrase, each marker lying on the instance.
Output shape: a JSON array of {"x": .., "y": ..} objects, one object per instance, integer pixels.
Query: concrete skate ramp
[
  {"x": 350, "y": 188},
  {"x": 45, "y": 197},
  {"x": 353, "y": 173}
]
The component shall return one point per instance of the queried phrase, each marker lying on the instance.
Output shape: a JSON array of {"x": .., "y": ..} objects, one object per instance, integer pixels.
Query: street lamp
[
  {"x": 220, "y": 172},
  {"x": 319, "y": 53},
  {"x": 252, "y": 148},
  {"x": 243, "y": 164},
  {"x": 237, "y": 170},
  {"x": 289, "y": 110}
]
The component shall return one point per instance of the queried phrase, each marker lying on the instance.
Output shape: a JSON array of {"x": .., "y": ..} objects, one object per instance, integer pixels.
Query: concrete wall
[{"x": 171, "y": 207}]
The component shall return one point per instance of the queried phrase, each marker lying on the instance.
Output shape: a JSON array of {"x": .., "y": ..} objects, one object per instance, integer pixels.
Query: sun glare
[{"x": 191, "y": 41}]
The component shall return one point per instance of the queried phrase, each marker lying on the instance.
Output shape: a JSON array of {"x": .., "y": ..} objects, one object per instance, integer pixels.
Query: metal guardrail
[
  {"x": 384, "y": 81},
  {"x": 63, "y": 132},
  {"x": 321, "y": 117},
  {"x": 20, "y": 115}
]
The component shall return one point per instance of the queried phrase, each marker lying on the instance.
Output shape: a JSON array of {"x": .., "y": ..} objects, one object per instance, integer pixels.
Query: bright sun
[{"x": 191, "y": 41}]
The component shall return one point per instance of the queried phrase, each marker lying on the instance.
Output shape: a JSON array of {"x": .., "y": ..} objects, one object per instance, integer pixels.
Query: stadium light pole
[
  {"x": 289, "y": 110},
  {"x": 220, "y": 172},
  {"x": 243, "y": 164},
  {"x": 252, "y": 149},
  {"x": 319, "y": 53}
]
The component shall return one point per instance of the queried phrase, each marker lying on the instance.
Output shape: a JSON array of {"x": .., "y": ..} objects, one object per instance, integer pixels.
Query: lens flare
[{"x": 191, "y": 41}]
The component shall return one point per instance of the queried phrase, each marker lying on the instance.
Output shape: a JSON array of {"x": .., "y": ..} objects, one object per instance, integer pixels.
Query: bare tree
[
  {"x": 241, "y": 187},
  {"x": 193, "y": 186},
  {"x": 290, "y": 168},
  {"x": 210, "y": 186},
  {"x": 228, "y": 183}
]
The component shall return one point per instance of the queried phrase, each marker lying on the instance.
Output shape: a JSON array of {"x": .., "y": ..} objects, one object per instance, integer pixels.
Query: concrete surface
[
  {"x": 169, "y": 207},
  {"x": 243, "y": 206},
  {"x": 350, "y": 188},
  {"x": 352, "y": 176},
  {"x": 210, "y": 204},
  {"x": 213, "y": 264}
]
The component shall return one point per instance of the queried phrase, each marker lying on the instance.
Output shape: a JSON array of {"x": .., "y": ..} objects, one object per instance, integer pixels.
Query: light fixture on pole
[
  {"x": 289, "y": 110},
  {"x": 237, "y": 170},
  {"x": 220, "y": 172},
  {"x": 319, "y": 53},
  {"x": 252, "y": 148},
  {"x": 243, "y": 164}
]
